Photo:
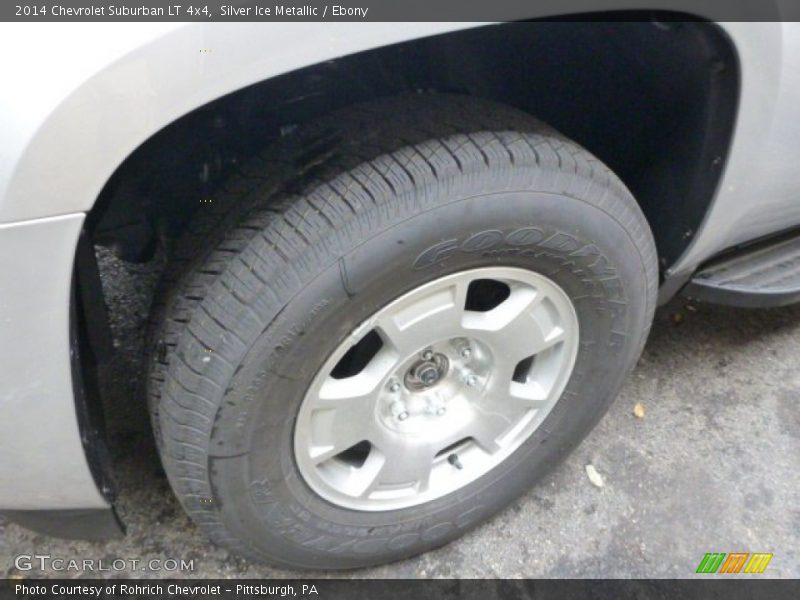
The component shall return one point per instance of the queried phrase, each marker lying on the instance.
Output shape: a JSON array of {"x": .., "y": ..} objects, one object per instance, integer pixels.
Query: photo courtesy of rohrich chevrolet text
[{"x": 345, "y": 293}]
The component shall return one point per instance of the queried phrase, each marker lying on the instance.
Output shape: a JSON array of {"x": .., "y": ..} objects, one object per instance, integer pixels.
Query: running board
[{"x": 756, "y": 277}]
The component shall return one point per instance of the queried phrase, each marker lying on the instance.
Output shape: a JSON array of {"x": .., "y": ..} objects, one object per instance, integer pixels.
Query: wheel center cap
[{"x": 426, "y": 373}]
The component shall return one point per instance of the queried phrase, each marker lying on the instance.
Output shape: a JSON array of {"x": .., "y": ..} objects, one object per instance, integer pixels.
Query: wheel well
[{"x": 652, "y": 96}]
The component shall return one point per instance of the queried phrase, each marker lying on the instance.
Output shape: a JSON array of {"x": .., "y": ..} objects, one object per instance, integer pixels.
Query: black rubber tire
[{"x": 345, "y": 215}]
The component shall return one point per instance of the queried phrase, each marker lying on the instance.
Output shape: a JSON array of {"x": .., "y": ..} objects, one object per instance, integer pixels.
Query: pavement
[{"x": 711, "y": 465}]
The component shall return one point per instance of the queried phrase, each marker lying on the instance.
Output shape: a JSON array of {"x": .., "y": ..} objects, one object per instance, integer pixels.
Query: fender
[{"x": 89, "y": 110}]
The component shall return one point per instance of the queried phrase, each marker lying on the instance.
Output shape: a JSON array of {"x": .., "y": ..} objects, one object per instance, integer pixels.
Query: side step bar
[{"x": 756, "y": 277}]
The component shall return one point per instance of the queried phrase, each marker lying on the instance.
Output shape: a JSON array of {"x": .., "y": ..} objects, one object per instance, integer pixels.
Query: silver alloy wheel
[{"x": 436, "y": 389}]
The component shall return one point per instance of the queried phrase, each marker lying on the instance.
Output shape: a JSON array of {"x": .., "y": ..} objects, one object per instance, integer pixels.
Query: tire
[{"x": 335, "y": 222}]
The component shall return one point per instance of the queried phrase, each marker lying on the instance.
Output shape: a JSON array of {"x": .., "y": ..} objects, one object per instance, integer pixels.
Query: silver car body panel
[
  {"x": 43, "y": 463},
  {"x": 70, "y": 117}
]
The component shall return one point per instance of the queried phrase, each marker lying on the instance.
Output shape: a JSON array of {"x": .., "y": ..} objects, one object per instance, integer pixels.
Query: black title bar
[{"x": 391, "y": 10}]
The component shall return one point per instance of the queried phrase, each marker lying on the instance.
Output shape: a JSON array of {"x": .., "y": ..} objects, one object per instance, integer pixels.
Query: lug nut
[
  {"x": 399, "y": 411},
  {"x": 427, "y": 355},
  {"x": 394, "y": 387},
  {"x": 472, "y": 381},
  {"x": 434, "y": 408},
  {"x": 466, "y": 352}
]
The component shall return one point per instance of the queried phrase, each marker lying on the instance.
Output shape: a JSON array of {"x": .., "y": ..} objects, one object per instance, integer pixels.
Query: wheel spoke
[
  {"x": 504, "y": 404},
  {"x": 417, "y": 322},
  {"x": 364, "y": 384},
  {"x": 344, "y": 413},
  {"x": 516, "y": 329},
  {"x": 406, "y": 464},
  {"x": 487, "y": 430},
  {"x": 366, "y": 479},
  {"x": 339, "y": 429},
  {"x": 490, "y": 425}
]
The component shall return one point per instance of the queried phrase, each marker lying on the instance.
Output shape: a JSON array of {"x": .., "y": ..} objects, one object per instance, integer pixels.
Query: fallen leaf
[
  {"x": 594, "y": 477},
  {"x": 638, "y": 410}
]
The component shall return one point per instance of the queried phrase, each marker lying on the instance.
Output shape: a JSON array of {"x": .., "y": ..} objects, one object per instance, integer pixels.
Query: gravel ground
[{"x": 712, "y": 466}]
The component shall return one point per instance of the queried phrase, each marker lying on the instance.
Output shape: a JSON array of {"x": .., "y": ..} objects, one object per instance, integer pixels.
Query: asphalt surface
[{"x": 712, "y": 466}]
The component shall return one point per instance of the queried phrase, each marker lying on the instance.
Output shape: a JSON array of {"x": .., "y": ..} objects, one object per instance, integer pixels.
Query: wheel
[{"x": 422, "y": 306}]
